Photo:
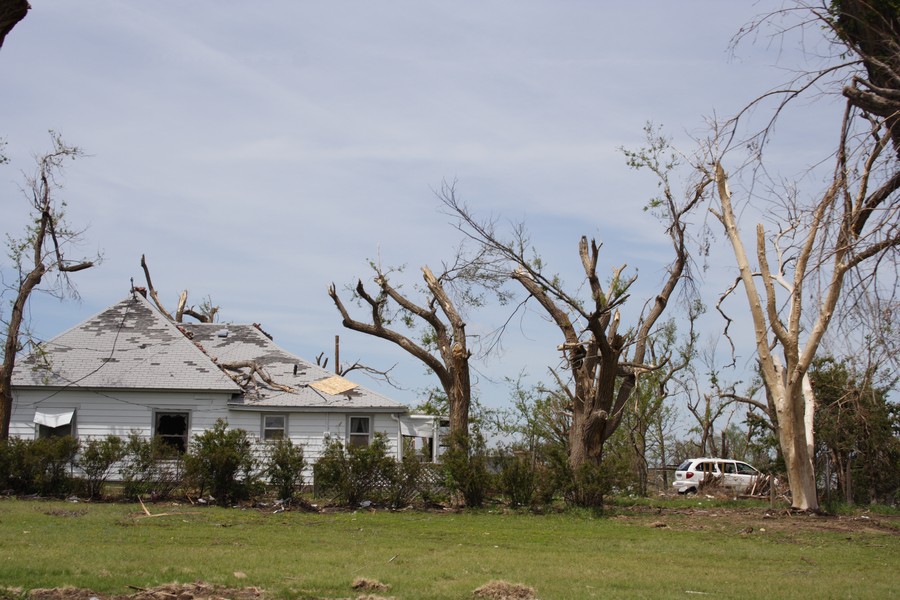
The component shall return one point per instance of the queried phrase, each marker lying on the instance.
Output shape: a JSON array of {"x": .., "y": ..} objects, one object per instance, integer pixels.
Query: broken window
[
  {"x": 55, "y": 423},
  {"x": 359, "y": 431},
  {"x": 172, "y": 428},
  {"x": 274, "y": 427},
  {"x": 422, "y": 448}
]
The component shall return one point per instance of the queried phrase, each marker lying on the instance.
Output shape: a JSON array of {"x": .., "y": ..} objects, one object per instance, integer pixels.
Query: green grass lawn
[{"x": 685, "y": 550}]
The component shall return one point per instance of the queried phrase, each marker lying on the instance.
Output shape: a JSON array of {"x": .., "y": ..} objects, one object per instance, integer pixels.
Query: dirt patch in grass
[
  {"x": 503, "y": 590},
  {"x": 749, "y": 520},
  {"x": 362, "y": 584}
]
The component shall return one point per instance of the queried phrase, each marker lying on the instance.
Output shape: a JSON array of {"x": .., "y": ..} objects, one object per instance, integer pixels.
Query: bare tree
[
  {"x": 871, "y": 30},
  {"x": 854, "y": 221},
  {"x": 825, "y": 253},
  {"x": 603, "y": 359},
  {"x": 11, "y": 12},
  {"x": 38, "y": 254},
  {"x": 343, "y": 369},
  {"x": 444, "y": 345}
]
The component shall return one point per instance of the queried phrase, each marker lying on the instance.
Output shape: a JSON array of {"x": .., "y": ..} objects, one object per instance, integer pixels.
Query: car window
[
  {"x": 745, "y": 469},
  {"x": 684, "y": 466},
  {"x": 729, "y": 467}
]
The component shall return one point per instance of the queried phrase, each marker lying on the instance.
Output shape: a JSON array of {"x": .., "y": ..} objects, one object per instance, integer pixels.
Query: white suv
[{"x": 735, "y": 475}]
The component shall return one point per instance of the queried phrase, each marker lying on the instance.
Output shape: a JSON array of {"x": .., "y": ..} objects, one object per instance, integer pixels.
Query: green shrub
[
  {"x": 42, "y": 466},
  {"x": 97, "y": 460},
  {"x": 466, "y": 468},
  {"x": 284, "y": 468},
  {"x": 589, "y": 484},
  {"x": 404, "y": 481},
  {"x": 152, "y": 468},
  {"x": 353, "y": 474},
  {"x": 221, "y": 462},
  {"x": 517, "y": 480}
]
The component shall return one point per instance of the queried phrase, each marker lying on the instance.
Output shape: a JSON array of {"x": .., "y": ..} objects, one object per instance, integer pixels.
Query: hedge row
[{"x": 228, "y": 466}]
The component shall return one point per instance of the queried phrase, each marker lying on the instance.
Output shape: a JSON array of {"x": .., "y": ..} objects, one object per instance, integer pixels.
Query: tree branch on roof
[
  {"x": 245, "y": 378},
  {"x": 205, "y": 313}
]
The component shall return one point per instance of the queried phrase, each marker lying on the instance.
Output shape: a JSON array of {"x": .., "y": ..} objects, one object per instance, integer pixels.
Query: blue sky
[{"x": 256, "y": 152}]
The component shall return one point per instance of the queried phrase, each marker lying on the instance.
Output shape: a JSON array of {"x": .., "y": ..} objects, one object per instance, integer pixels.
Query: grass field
[{"x": 677, "y": 550}]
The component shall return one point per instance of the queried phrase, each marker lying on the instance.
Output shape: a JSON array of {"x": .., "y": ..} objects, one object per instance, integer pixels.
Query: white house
[{"x": 131, "y": 369}]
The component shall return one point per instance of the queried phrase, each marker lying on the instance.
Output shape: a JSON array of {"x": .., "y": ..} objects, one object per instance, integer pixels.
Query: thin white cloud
[{"x": 258, "y": 151}]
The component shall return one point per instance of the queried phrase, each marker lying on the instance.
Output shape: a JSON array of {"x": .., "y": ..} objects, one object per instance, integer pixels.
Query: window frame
[
  {"x": 368, "y": 433},
  {"x": 264, "y": 428},
  {"x": 45, "y": 432},
  {"x": 186, "y": 437}
]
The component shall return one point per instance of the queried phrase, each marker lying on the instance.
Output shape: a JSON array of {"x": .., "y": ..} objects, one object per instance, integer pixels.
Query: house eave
[
  {"x": 319, "y": 409},
  {"x": 104, "y": 390}
]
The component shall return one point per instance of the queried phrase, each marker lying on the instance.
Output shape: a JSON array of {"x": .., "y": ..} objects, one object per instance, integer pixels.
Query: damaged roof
[
  {"x": 131, "y": 345},
  {"x": 308, "y": 386}
]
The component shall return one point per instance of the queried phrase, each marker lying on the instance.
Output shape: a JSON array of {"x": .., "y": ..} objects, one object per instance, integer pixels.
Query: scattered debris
[
  {"x": 186, "y": 591},
  {"x": 362, "y": 584},
  {"x": 503, "y": 590},
  {"x": 65, "y": 513}
]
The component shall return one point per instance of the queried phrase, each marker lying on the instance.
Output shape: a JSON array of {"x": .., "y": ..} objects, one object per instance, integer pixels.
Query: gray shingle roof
[
  {"x": 233, "y": 343},
  {"x": 130, "y": 345}
]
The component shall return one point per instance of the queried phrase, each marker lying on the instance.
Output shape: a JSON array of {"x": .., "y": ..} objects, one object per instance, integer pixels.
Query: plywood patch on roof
[{"x": 333, "y": 385}]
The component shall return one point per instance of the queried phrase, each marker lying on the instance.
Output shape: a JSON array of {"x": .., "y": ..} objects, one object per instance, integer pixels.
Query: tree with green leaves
[
  {"x": 857, "y": 430},
  {"x": 649, "y": 419}
]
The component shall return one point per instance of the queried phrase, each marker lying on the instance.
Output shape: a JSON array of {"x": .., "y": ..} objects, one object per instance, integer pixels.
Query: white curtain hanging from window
[{"x": 53, "y": 418}]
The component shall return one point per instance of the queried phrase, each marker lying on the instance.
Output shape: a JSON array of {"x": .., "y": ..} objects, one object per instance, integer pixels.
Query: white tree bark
[{"x": 793, "y": 411}]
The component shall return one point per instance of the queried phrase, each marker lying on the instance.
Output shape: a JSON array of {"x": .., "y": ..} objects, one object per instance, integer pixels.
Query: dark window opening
[
  {"x": 54, "y": 432},
  {"x": 172, "y": 429},
  {"x": 422, "y": 448}
]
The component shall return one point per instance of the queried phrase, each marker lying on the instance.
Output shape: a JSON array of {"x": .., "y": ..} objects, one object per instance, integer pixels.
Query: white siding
[
  {"x": 120, "y": 413},
  {"x": 113, "y": 412},
  {"x": 311, "y": 429}
]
